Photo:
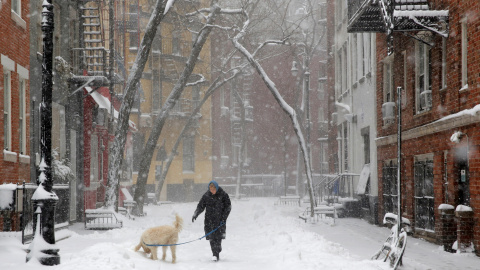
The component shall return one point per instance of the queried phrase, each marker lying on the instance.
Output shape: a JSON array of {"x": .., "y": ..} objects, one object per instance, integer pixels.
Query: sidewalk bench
[
  {"x": 289, "y": 200},
  {"x": 101, "y": 219},
  {"x": 320, "y": 211}
]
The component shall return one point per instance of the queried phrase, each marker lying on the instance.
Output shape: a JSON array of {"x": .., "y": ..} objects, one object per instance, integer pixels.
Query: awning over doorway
[{"x": 104, "y": 103}]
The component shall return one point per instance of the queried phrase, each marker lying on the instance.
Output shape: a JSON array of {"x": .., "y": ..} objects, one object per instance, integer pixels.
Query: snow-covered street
[{"x": 260, "y": 235}]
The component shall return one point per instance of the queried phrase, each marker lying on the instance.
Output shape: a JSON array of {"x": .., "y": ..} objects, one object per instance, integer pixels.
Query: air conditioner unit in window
[
  {"x": 224, "y": 111},
  {"x": 102, "y": 117},
  {"x": 388, "y": 111},
  {"x": 334, "y": 118},
  {"x": 224, "y": 162},
  {"x": 145, "y": 120},
  {"x": 426, "y": 99}
]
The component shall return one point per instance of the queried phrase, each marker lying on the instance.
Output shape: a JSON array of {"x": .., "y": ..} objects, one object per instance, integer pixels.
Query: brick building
[
  {"x": 434, "y": 59},
  {"x": 14, "y": 85}
]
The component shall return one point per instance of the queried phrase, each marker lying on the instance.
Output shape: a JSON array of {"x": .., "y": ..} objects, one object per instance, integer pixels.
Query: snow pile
[{"x": 6, "y": 195}]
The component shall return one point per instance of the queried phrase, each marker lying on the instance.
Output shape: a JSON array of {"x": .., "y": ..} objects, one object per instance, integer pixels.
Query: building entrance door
[{"x": 463, "y": 184}]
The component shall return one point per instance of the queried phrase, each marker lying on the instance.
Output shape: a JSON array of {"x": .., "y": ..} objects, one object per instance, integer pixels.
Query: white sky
[{"x": 260, "y": 235}]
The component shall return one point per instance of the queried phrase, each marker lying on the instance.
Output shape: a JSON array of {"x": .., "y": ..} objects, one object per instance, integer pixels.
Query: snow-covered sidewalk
[{"x": 260, "y": 235}]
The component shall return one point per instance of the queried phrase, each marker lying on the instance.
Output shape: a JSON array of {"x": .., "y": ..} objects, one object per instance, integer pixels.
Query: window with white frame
[
  {"x": 405, "y": 79},
  {"x": 338, "y": 11},
  {"x": 17, "y": 7},
  {"x": 367, "y": 53},
  {"x": 7, "y": 114},
  {"x": 338, "y": 74},
  {"x": 388, "y": 79},
  {"x": 423, "y": 77},
  {"x": 344, "y": 68},
  {"x": 22, "y": 117},
  {"x": 354, "y": 58},
  {"x": 23, "y": 75},
  {"x": 388, "y": 97},
  {"x": 361, "y": 56},
  {"x": 464, "y": 54}
]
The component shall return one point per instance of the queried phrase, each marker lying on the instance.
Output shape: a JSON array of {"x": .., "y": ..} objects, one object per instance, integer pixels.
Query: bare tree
[
  {"x": 237, "y": 43},
  {"x": 130, "y": 90},
  {"x": 169, "y": 104}
]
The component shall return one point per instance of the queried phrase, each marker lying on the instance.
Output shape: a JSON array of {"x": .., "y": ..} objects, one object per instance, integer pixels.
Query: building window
[
  {"x": 464, "y": 54},
  {"x": 176, "y": 43},
  {"x": 423, "y": 77},
  {"x": 388, "y": 80},
  {"x": 222, "y": 97},
  {"x": 344, "y": 69},
  {"x": 22, "y": 117},
  {"x": 156, "y": 91},
  {"x": 338, "y": 74},
  {"x": 361, "y": 56},
  {"x": 424, "y": 196},
  {"x": 367, "y": 53},
  {"x": 354, "y": 60},
  {"x": 17, "y": 7},
  {"x": 7, "y": 124},
  {"x": 235, "y": 153},
  {"x": 405, "y": 79},
  {"x": 100, "y": 162},
  {"x": 94, "y": 169},
  {"x": 444, "y": 64},
  {"x": 195, "y": 96},
  {"x": 345, "y": 147},
  {"x": 366, "y": 144},
  {"x": 389, "y": 181},
  {"x": 338, "y": 11},
  {"x": 138, "y": 143},
  {"x": 189, "y": 154},
  {"x": 133, "y": 39}
]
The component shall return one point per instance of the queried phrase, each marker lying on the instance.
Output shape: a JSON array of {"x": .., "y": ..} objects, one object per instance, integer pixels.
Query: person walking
[{"x": 217, "y": 204}]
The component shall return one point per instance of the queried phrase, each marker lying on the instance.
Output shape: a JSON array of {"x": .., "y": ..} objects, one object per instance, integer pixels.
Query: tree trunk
[
  {"x": 177, "y": 90},
  {"x": 130, "y": 90}
]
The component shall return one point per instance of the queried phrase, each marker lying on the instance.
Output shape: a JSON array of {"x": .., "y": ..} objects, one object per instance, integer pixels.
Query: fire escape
[
  {"x": 388, "y": 16},
  {"x": 91, "y": 58},
  {"x": 173, "y": 51}
]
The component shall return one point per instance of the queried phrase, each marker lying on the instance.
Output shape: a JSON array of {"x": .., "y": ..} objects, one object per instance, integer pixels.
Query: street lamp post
[{"x": 44, "y": 199}]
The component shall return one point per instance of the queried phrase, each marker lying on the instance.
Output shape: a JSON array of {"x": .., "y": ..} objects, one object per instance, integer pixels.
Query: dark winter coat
[{"x": 217, "y": 208}]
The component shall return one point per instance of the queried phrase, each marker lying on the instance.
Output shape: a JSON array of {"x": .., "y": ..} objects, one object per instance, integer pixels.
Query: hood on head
[{"x": 214, "y": 183}]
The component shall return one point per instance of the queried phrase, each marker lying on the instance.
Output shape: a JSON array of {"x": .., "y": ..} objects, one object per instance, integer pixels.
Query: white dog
[{"x": 161, "y": 235}]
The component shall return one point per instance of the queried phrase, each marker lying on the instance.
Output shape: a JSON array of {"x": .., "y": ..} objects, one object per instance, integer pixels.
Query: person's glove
[{"x": 193, "y": 218}]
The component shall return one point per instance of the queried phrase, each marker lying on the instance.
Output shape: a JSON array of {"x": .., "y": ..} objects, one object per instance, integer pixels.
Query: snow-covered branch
[{"x": 283, "y": 104}]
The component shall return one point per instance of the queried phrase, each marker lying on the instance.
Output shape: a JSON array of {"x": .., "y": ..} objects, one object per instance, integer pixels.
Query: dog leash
[{"x": 153, "y": 245}]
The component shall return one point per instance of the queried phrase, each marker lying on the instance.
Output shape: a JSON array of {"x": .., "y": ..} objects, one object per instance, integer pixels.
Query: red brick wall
[
  {"x": 15, "y": 44},
  {"x": 445, "y": 102}
]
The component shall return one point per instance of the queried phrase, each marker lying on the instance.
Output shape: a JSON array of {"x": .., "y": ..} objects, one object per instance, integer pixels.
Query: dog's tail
[{"x": 178, "y": 223}]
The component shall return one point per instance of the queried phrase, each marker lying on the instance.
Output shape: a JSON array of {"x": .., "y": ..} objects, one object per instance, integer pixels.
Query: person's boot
[{"x": 215, "y": 258}]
